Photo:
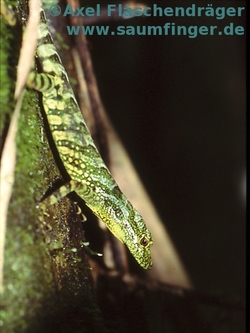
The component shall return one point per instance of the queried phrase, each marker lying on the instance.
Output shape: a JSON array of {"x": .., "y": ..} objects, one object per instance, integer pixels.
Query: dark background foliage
[{"x": 178, "y": 104}]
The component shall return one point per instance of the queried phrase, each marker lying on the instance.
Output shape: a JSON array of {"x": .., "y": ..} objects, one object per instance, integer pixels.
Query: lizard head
[{"x": 128, "y": 226}]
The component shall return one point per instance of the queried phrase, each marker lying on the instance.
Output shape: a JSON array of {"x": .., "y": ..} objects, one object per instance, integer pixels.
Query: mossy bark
[{"x": 47, "y": 282}]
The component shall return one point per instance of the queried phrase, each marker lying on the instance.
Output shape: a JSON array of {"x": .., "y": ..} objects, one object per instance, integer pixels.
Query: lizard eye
[{"x": 144, "y": 241}]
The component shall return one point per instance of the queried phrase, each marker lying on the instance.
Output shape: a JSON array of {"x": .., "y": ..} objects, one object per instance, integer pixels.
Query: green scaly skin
[{"x": 90, "y": 178}]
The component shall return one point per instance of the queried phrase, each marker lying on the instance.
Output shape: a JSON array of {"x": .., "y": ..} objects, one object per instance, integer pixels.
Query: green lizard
[{"x": 90, "y": 178}]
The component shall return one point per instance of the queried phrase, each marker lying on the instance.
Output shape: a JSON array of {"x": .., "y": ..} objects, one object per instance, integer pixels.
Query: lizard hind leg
[
  {"x": 51, "y": 199},
  {"x": 58, "y": 194}
]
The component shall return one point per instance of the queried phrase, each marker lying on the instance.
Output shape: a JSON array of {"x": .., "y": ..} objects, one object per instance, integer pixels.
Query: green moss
[
  {"x": 22, "y": 283},
  {"x": 26, "y": 281},
  {"x": 47, "y": 285},
  {"x": 7, "y": 70}
]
